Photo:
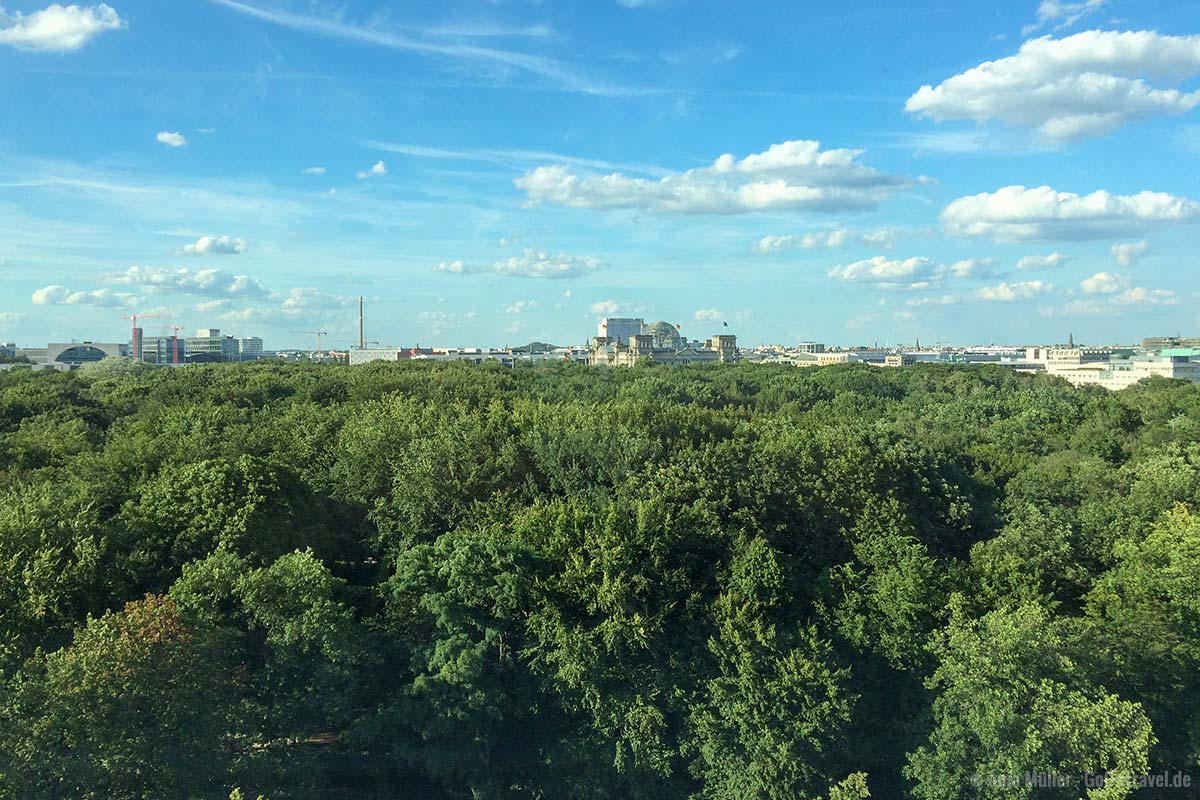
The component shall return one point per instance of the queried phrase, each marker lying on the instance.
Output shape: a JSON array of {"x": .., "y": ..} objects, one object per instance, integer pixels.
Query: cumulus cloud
[
  {"x": 1062, "y": 14},
  {"x": 838, "y": 237},
  {"x": 531, "y": 263},
  {"x": 1016, "y": 213},
  {"x": 1103, "y": 283},
  {"x": 215, "y": 245},
  {"x": 56, "y": 295},
  {"x": 911, "y": 273},
  {"x": 790, "y": 175},
  {"x": 57, "y": 28},
  {"x": 377, "y": 169},
  {"x": 708, "y": 315},
  {"x": 207, "y": 282},
  {"x": 606, "y": 307},
  {"x": 1128, "y": 254},
  {"x": 171, "y": 139},
  {"x": 1007, "y": 292},
  {"x": 1080, "y": 86},
  {"x": 1046, "y": 262}
]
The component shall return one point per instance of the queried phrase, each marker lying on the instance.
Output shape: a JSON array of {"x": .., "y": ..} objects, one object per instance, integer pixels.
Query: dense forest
[{"x": 447, "y": 581}]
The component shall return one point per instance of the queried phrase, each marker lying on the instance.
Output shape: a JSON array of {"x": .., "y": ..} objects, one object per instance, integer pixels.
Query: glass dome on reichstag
[{"x": 666, "y": 336}]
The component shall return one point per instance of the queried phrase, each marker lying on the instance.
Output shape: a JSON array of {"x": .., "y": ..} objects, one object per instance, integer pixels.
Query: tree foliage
[{"x": 443, "y": 581}]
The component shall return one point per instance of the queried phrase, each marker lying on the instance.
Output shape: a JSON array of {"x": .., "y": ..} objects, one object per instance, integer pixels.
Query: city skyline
[{"x": 514, "y": 172}]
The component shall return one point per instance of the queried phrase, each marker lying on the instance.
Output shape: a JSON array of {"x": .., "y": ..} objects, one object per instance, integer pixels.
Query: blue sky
[{"x": 496, "y": 172}]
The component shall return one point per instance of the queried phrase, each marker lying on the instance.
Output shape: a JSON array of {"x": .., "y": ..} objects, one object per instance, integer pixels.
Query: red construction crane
[
  {"x": 136, "y": 339},
  {"x": 175, "y": 329}
]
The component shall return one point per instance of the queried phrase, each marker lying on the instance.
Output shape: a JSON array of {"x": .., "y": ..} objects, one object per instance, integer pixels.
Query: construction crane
[
  {"x": 136, "y": 338},
  {"x": 318, "y": 334}
]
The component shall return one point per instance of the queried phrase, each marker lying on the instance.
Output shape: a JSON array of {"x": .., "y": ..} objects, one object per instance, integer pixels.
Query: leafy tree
[{"x": 136, "y": 706}]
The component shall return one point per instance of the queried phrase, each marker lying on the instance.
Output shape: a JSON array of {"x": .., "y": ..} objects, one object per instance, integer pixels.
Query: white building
[{"x": 1123, "y": 373}]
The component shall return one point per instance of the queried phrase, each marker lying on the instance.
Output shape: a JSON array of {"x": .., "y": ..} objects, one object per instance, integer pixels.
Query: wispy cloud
[
  {"x": 530, "y": 264},
  {"x": 542, "y": 66},
  {"x": 509, "y": 157}
]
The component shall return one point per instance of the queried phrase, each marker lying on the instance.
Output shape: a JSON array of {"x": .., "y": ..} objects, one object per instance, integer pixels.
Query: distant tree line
[{"x": 448, "y": 581}]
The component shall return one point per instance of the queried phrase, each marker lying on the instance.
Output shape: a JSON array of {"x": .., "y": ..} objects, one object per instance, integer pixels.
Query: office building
[
  {"x": 209, "y": 345},
  {"x": 1125, "y": 372},
  {"x": 250, "y": 347}
]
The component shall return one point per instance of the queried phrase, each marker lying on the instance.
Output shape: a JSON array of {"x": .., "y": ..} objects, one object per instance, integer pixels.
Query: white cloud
[
  {"x": 837, "y": 237},
  {"x": 708, "y": 315},
  {"x": 56, "y": 295},
  {"x": 944, "y": 300},
  {"x": 8, "y": 318},
  {"x": 377, "y": 169},
  {"x": 791, "y": 175},
  {"x": 530, "y": 264},
  {"x": 1016, "y": 213},
  {"x": 1104, "y": 283},
  {"x": 314, "y": 171},
  {"x": 57, "y": 28},
  {"x": 306, "y": 300},
  {"x": 912, "y": 273},
  {"x": 1051, "y": 261},
  {"x": 521, "y": 306},
  {"x": 606, "y": 307},
  {"x": 215, "y": 245},
  {"x": 207, "y": 282},
  {"x": 171, "y": 139},
  {"x": 1128, "y": 254},
  {"x": 1007, "y": 292},
  {"x": 1122, "y": 301},
  {"x": 974, "y": 268},
  {"x": 1062, "y": 14},
  {"x": 1084, "y": 85}
]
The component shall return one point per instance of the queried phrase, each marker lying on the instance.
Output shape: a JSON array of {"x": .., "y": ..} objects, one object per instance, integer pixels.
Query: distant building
[
  {"x": 899, "y": 360},
  {"x": 1064, "y": 357},
  {"x": 1122, "y": 373},
  {"x": 661, "y": 343},
  {"x": 810, "y": 347},
  {"x": 162, "y": 349},
  {"x": 250, "y": 347},
  {"x": 1155, "y": 343},
  {"x": 209, "y": 345},
  {"x": 825, "y": 359},
  {"x": 620, "y": 329},
  {"x": 75, "y": 354}
]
